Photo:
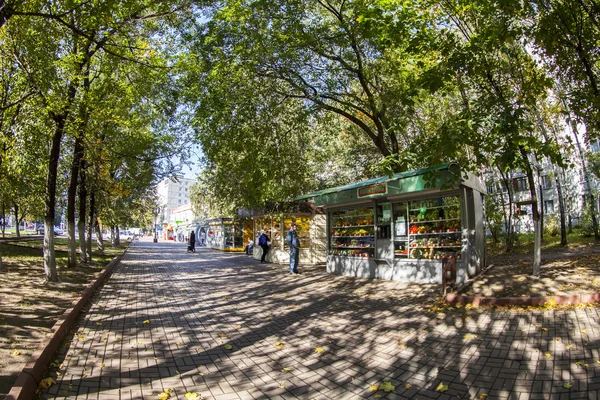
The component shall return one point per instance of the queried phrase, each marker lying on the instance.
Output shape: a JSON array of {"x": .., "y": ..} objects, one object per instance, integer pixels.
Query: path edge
[{"x": 28, "y": 380}]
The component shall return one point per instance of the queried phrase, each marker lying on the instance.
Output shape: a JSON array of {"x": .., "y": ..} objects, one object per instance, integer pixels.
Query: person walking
[
  {"x": 294, "y": 243},
  {"x": 193, "y": 241},
  {"x": 263, "y": 242}
]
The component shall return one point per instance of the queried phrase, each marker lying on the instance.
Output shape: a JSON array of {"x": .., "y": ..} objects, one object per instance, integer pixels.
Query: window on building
[
  {"x": 520, "y": 184},
  {"x": 185, "y": 201},
  {"x": 549, "y": 206},
  {"x": 546, "y": 182},
  {"x": 179, "y": 201}
]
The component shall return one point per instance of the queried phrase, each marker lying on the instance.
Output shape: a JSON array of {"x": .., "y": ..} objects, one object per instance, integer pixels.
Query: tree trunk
[
  {"x": 83, "y": 253},
  {"x": 17, "y": 222},
  {"x": 90, "y": 228},
  {"x": 71, "y": 199},
  {"x": 561, "y": 209},
  {"x": 537, "y": 235},
  {"x": 586, "y": 179},
  {"x": 99, "y": 240},
  {"x": 50, "y": 270},
  {"x": 542, "y": 211},
  {"x": 508, "y": 221},
  {"x": 3, "y": 220}
]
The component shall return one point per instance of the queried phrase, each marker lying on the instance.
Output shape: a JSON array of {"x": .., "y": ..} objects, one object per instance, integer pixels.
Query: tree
[
  {"x": 360, "y": 61},
  {"x": 56, "y": 48}
]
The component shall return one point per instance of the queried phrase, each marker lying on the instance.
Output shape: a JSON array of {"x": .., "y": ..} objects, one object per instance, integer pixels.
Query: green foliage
[
  {"x": 551, "y": 225},
  {"x": 493, "y": 217},
  {"x": 584, "y": 224}
]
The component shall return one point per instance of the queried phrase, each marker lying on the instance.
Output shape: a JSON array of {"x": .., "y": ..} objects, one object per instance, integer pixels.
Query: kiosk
[
  {"x": 229, "y": 234},
  {"x": 407, "y": 226},
  {"x": 277, "y": 221}
]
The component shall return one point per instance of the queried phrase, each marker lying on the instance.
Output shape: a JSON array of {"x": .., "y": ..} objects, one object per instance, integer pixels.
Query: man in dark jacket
[
  {"x": 294, "y": 243},
  {"x": 263, "y": 242}
]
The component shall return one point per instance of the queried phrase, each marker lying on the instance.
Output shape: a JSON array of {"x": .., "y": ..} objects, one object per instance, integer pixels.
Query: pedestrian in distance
[
  {"x": 192, "y": 242},
  {"x": 249, "y": 247},
  {"x": 294, "y": 243},
  {"x": 264, "y": 243}
]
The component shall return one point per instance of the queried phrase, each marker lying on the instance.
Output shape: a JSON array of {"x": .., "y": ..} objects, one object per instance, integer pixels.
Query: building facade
[{"x": 173, "y": 194}]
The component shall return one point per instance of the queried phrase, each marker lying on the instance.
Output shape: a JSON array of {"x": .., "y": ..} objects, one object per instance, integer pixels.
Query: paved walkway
[{"x": 224, "y": 326}]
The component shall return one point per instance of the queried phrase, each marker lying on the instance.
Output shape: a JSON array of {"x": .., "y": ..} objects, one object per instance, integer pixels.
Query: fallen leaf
[
  {"x": 548, "y": 355},
  {"x": 545, "y": 329},
  {"x": 374, "y": 388},
  {"x": 441, "y": 387},
  {"x": 228, "y": 347},
  {"x": 408, "y": 385},
  {"x": 98, "y": 323},
  {"x": 15, "y": 352},
  {"x": 583, "y": 331},
  {"x": 568, "y": 346},
  {"x": 387, "y": 387},
  {"x": 282, "y": 386},
  {"x": 567, "y": 385},
  {"x": 483, "y": 396},
  {"x": 279, "y": 344},
  {"x": 166, "y": 395},
  {"x": 191, "y": 396},
  {"x": 147, "y": 321},
  {"x": 47, "y": 382},
  {"x": 319, "y": 350}
]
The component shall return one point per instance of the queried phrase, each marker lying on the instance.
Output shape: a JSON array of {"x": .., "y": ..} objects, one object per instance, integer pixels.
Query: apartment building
[{"x": 173, "y": 193}]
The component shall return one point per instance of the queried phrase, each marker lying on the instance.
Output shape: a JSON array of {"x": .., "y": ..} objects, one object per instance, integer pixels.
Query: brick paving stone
[{"x": 372, "y": 331}]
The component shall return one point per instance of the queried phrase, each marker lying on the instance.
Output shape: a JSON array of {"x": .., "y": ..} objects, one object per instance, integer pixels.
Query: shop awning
[{"x": 439, "y": 177}]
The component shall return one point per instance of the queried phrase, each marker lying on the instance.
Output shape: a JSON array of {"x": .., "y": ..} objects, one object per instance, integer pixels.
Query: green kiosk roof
[{"x": 445, "y": 176}]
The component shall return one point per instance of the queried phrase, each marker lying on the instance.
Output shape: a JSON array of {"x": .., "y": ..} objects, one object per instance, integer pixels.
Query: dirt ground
[
  {"x": 574, "y": 270},
  {"x": 29, "y": 307}
]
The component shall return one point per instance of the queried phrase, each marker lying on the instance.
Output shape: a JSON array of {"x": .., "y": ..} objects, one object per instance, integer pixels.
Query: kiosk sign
[{"x": 379, "y": 188}]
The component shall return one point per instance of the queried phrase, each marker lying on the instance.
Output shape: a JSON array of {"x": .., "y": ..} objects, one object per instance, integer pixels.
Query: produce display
[
  {"x": 424, "y": 229},
  {"x": 277, "y": 227},
  {"x": 434, "y": 229},
  {"x": 352, "y": 233},
  {"x": 303, "y": 230}
]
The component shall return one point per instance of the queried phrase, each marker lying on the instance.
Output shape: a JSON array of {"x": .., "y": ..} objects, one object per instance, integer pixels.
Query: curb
[
  {"x": 28, "y": 380},
  {"x": 457, "y": 297},
  {"x": 523, "y": 301}
]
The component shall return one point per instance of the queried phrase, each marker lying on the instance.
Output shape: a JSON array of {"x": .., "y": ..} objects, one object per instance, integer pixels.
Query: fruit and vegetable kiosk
[
  {"x": 406, "y": 226},
  {"x": 311, "y": 228},
  {"x": 228, "y": 234}
]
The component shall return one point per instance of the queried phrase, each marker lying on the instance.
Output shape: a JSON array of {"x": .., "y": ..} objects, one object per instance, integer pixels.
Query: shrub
[{"x": 551, "y": 226}]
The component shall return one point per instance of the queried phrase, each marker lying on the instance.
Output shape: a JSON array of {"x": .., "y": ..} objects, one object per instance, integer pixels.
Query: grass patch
[{"x": 524, "y": 243}]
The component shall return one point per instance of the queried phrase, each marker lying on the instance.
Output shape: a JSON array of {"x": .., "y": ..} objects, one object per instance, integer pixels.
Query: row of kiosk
[{"x": 404, "y": 227}]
